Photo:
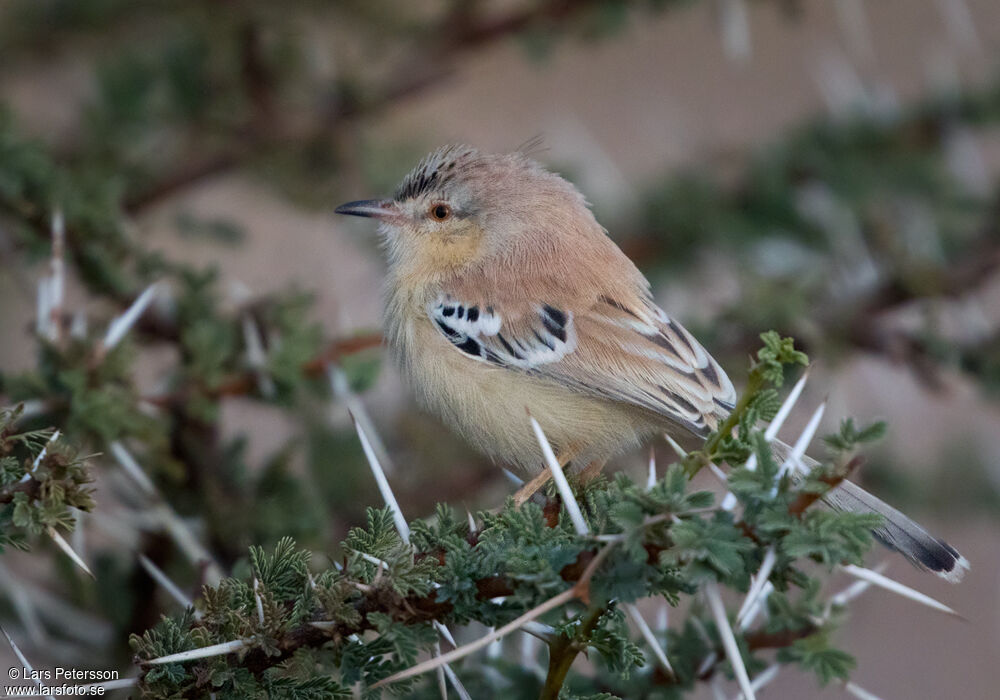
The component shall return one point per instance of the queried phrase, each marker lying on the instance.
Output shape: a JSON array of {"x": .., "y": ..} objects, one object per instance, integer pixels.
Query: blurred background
[{"x": 827, "y": 169}]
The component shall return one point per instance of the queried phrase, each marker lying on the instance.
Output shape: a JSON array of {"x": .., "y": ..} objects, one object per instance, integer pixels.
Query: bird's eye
[{"x": 440, "y": 212}]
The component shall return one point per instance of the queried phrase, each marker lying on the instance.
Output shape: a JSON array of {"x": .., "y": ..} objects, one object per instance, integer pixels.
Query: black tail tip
[
  {"x": 929, "y": 554},
  {"x": 943, "y": 560}
]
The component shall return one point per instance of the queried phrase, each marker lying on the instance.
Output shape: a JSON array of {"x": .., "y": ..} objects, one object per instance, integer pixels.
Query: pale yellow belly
[{"x": 489, "y": 405}]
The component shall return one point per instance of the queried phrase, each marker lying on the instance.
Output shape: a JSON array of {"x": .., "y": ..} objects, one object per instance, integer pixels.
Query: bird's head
[{"x": 461, "y": 207}]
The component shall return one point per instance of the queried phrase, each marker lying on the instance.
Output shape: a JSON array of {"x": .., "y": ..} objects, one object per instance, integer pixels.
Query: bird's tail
[{"x": 898, "y": 532}]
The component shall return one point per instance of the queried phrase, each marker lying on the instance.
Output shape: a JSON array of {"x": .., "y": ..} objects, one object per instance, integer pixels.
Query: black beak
[{"x": 372, "y": 208}]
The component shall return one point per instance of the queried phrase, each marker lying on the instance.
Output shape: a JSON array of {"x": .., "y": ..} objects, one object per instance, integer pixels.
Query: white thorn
[
  {"x": 663, "y": 617},
  {"x": 78, "y": 325},
  {"x": 43, "y": 308},
  {"x": 529, "y": 651},
  {"x": 678, "y": 450},
  {"x": 41, "y": 455},
  {"x": 167, "y": 518},
  {"x": 729, "y": 501},
  {"x": 463, "y": 694},
  {"x": 441, "y": 678},
  {"x": 762, "y": 679},
  {"x": 64, "y": 546},
  {"x": 718, "y": 473},
  {"x": 539, "y": 630},
  {"x": 381, "y": 563},
  {"x": 202, "y": 653},
  {"x": 132, "y": 468},
  {"x": 794, "y": 459},
  {"x": 786, "y": 407},
  {"x": 60, "y": 614},
  {"x": 852, "y": 591},
  {"x": 758, "y": 582},
  {"x": 472, "y": 521},
  {"x": 859, "y": 692},
  {"x": 896, "y": 587},
  {"x": 156, "y": 573},
  {"x": 188, "y": 543},
  {"x": 340, "y": 385},
  {"x": 728, "y": 640},
  {"x": 383, "y": 484},
  {"x": 651, "y": 478},
  {"x": 78, "y": 538},
  {"x": 495, "y": 648},
  {"x": 757, "y": 607},
  {"x": 24, "y": 608},
  {"x": 513, "y": 478},
  {"x": 647, "y": 634},
  {"x": 57, "y": 276},
  {"x": 569, "y": 500},
  {"x": 256, "y": 356},
  {"x": 24, "y": 661},
  {"x": 122, "y": 324},
  {"x": 445, "y": 632},
  {"x": 323, "y": 624},
  {"x": 257, "y": 599},
  {"x": 779, "y": 418}
]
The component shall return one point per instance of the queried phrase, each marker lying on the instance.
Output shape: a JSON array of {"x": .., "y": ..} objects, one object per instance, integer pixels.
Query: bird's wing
[{"x": 623, "y": 348}]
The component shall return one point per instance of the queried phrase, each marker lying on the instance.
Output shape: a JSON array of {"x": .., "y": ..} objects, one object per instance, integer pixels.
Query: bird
[{"x": 503, "y": 294}]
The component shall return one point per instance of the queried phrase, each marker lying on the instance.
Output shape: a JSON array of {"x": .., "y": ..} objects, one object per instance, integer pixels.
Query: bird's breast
[{"x": 489, "y": 405}]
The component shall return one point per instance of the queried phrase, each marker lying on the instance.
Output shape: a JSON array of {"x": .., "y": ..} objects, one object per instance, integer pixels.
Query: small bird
[{"x": 504, "y": 293}]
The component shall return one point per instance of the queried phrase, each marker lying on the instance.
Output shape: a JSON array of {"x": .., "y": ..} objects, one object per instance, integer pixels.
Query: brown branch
[{"x": 804, "y": 500}]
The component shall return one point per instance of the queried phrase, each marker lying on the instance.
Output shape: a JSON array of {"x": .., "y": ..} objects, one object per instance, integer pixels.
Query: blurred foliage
[
  {"x": 839, "y": 224},
  {"x": 845, "y": 221}
]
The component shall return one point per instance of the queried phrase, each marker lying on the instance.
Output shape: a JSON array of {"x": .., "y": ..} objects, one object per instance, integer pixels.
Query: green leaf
[{"x": 815, "y": 654}]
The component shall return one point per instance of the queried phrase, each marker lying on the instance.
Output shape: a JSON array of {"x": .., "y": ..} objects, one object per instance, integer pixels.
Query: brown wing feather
[
  {"x": 633, "y": 352},
  {"x": 622, "y": 347}
]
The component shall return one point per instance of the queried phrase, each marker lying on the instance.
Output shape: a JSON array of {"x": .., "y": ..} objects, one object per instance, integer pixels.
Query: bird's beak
[{"x": 382, "y": 209}]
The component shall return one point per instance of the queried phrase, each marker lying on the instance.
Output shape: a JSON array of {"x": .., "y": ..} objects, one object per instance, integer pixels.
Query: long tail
[
  {"x": 902, "y": 534},
  {"x": 899, "y": 532}
]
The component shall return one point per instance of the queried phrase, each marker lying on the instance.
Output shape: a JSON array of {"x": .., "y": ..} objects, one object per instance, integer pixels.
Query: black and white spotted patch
[{"x": 480, "y": 332}]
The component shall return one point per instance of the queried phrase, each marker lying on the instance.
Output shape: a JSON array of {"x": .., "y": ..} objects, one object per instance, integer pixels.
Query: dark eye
[{"x": 440, "y": 212}]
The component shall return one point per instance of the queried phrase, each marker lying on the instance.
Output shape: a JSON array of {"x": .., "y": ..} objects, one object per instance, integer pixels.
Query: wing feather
[{"x": 628, "y": 351}]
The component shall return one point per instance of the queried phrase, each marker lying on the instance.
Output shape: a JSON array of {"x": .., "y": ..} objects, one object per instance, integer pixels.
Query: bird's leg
[
  {"x": 592, "y": 471},
  {"x": 532, "y": 487}
]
